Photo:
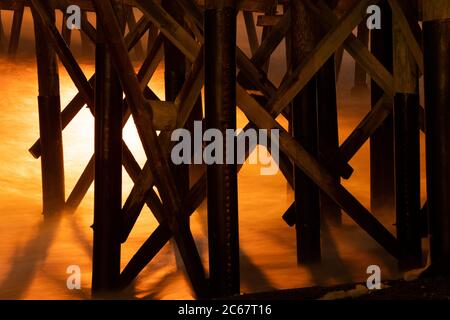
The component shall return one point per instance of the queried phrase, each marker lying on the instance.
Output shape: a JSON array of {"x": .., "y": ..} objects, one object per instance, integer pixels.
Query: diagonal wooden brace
[{"x": 143, "y": 120}]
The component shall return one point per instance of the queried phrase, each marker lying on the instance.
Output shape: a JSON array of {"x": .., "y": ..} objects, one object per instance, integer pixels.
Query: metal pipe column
[
  {"x": 108, "y": 169},
  {"x": 220, "y": 112}
]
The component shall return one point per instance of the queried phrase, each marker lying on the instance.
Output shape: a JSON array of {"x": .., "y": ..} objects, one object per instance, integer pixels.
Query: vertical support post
[
  {"x": 2, "y": 35},
  {"x": 288, "y": 49},
  {"x": 50, "y": 128},
  {"x": 407, "y": 151},
  {"x": 327, "y": 117},
  {"x": 437, "y": 101},
  {"x": 304, "y": 126},
  {"x": 360, "y": 85},
  {"x": 220, "y": 98},
  {"x": 382, "y": 141},
  {"x": 15, "y": 29},
  {"x": 108, "y": 168}
]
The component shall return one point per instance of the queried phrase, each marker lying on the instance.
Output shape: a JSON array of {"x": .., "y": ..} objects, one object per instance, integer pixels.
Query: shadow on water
[
  {"x": 339, "y": 270},
  {"x": 27, "y": 259},
  {"x": 332, "y": 267},
  {"x": 80, "y": 235}
]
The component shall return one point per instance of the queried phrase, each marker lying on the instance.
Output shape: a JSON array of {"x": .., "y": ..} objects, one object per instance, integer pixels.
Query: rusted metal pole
[
  {"x": 290, "y": 170},
  {"x": 220, "y": 108},
  {"x": 328, "y": 139},
  {"x": 304, "y": 127},
  {"x": 382, "y": 141},
  {"x": 108, "y": 169},
  {"x": 52, "y": 160},
  {"x": 360, "y": 84},
  {"x": 436, "y": 26},
  {"x": 407, "y": 151},
  {"x": 15, "y": 29}
]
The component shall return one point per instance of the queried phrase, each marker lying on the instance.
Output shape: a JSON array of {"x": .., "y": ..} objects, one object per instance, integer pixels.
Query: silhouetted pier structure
[{"x": 313, "y": 162}]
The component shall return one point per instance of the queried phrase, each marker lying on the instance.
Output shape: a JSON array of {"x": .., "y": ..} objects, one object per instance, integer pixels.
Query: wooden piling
[
  {"x": 436, "y": 28},
  {"x": 16, "y": 29},
  {"x": 407, "y": 150},
  {"x": 327, "y": 121},
  {"x": 304, "y": 127},
  {"x": 52, "y": 161},
  {"x": 220, "y": 112},
  {"x": 382, "y": 194},
  {"x": 108, "y": 169}
]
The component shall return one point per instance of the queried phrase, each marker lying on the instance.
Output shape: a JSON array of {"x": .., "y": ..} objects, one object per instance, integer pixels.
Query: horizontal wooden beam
[{"x": 268, "y": 20}]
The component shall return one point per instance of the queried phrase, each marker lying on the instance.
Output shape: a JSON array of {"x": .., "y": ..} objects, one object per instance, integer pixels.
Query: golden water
[{"x": 34, "y": 257}]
